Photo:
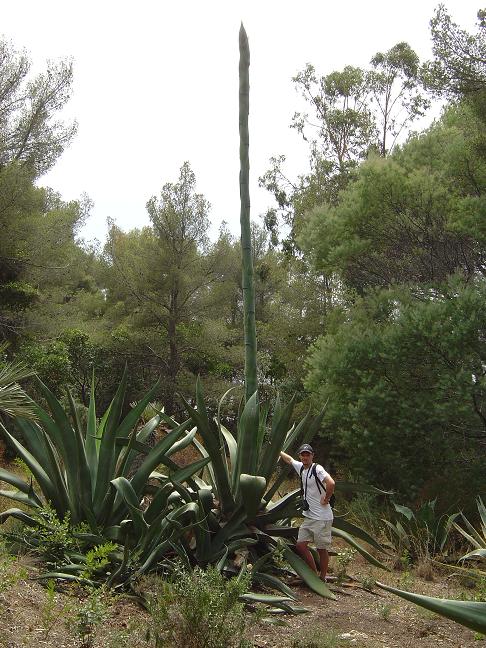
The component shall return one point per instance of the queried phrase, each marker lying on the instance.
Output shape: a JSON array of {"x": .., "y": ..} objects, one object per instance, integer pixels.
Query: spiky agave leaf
[
  {"x": 13, "y": 400},
  {"x": 252, "y": 488},
  {"x": 247, "y": 448},
  {"x": 471, "y": 614},
  {"x": 310, "y": 578},
  {"x": 47, "y": 486},
  {"x": 476, "y": 538}
]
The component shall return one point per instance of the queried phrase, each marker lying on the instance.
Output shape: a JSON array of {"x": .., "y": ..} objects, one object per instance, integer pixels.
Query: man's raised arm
[{"x": 285, "y": 457}]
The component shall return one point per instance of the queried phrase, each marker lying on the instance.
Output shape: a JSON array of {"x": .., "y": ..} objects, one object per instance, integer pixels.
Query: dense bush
[{"x": 199, "y": 609}]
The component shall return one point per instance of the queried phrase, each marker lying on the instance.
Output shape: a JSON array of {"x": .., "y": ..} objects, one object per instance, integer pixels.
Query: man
[{"x": 318, "y": 517}]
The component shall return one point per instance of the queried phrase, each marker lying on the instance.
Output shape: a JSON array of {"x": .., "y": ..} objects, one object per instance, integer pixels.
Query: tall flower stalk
[{"x": 251, "y": 384}]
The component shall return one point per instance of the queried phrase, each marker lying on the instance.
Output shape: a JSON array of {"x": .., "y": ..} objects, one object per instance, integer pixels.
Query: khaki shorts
[{"x": 317, "y": 531}]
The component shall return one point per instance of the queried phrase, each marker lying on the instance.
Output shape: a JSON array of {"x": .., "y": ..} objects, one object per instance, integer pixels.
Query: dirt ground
[
  {"x": 373, "y": 619},
  {"x": 358, "y": 618}
]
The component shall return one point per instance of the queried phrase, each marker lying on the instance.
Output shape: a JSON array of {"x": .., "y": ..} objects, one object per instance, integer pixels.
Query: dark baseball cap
[{"x": 306, "y": 448}]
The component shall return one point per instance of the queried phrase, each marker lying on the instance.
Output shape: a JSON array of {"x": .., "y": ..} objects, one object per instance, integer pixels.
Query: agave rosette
[{"x": 90, "y": 476}]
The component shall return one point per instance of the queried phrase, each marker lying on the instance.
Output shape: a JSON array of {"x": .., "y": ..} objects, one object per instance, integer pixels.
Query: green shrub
[
  {"x": 98, "y": 558},
  {"x": 364, "y": 511},
  {"x": 52, "y": 538},
  {"x": 199, "y": 609},
  {"x": 318, "y": 638},
  {"x": 86, "y": 618}
]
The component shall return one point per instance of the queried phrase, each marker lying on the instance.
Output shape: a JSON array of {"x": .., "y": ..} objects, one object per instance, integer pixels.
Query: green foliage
[
  {"x": 50, "y": 537},
  {"x": 402, "y": 374},
  {"x": 413, "y": 217},
  {"x": 385, "y": 611},
  {"x": 95, "y": 528},
  {"x": 66, "y": 362},
  {"x": 31, "y": 132},
  {"x": 237, "y": 501},
  {"x": 132, "y": 636},
  {"x": 38, "y": 254},
  {"x": 338, "y": 100},
  {"x": 98, "y": 558},
  {"x": 477, "y": 538},
  {"x": 160, "y": 283},
  {"x": 353, "y": 113},
  {"x": 51, "y": 363},
  {"x": 395, "y": 85},
  {"x": 368, "y": 583},
  {"x": 473, "y": 562},
  {"x": 375, "y": 236},
  {"x": 199, "y": 609},
  {"x": 19, "y": 295},
  {"x": 457, "y": 69},
  {"x": 364, "y": 511},
  {"x": 471, "y": 609}
]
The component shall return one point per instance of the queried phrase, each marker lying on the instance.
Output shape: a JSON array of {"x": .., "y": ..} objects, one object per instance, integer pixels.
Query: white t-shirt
[{"x": 316, "y": 510}]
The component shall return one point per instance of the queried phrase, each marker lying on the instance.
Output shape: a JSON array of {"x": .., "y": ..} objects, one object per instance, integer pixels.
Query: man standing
[{"x": 317, "y": 488}]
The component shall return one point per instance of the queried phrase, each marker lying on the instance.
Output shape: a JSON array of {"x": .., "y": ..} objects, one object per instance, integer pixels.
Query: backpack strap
[
  {"x": 303, "y": 493},
  {"x": 319, "y": 484}
]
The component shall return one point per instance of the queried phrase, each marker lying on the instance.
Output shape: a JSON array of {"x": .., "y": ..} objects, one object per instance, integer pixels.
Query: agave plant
[
  {"x": 86, "y": 475},
  {"x": 13, "y": 400},
  {"x": 476, "y": 538},
  {"x": 422, "y": 532},
  {"x": 237, "y": 512}
]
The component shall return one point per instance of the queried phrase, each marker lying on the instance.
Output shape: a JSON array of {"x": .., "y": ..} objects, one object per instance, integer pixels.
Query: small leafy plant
[
  {"x": 49, "y": 611},
  {"x": 199, "y": 609},
  {"x": 317, "y": 638},
  {"x": 385, "y": 611},
  {"x": 98, "y": 558},
  {"x": 343, "y": 560},
  {"x": 88, "y": 615}
]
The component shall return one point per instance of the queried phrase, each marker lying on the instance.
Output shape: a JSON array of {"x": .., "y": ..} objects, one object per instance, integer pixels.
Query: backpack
[{"x": 320, "y": 486}]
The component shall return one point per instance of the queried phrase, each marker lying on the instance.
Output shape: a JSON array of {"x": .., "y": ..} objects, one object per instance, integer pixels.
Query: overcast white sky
[{"x": 156, "y": 83}]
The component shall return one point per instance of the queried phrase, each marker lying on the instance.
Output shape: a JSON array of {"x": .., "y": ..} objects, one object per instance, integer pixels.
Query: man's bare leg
[
  {"x": 324, "y": 560},
  {"x": 303, "y": 551}
]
